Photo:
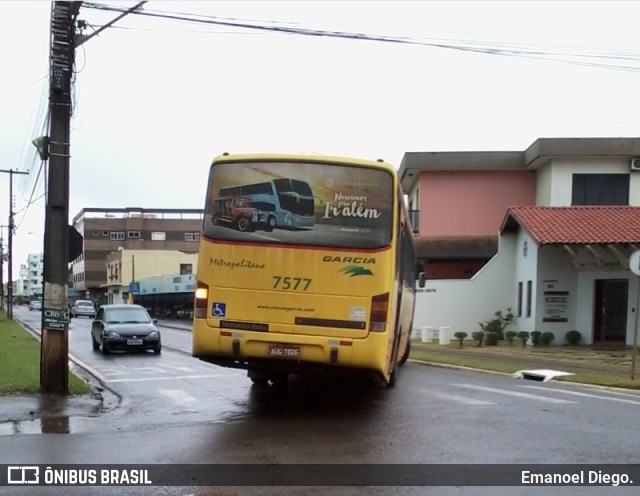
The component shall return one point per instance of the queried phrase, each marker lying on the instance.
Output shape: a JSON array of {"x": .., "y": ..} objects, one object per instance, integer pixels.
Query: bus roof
[{"x": 299, "y": 157}]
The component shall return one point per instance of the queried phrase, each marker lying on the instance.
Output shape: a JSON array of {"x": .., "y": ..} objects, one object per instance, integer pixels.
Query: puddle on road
[{"x": 51, "y": 425}]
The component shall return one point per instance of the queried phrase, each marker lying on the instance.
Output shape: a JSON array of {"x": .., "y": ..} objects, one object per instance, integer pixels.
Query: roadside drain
[{"x": 540, "y": 375}]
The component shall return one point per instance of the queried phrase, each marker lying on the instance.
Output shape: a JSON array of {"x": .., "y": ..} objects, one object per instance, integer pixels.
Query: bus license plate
[
  {"x": 134, "y": 341},
  {"x": 284, "y": 350}
]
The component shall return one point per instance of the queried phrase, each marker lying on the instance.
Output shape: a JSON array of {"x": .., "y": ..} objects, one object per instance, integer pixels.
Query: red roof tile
[{"x": 578, "y": 225}]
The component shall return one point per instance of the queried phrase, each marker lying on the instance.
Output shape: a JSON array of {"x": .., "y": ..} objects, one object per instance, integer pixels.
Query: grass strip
[
  {"x": 510, "y": 363},
  {"x": 20, "y": 362}
]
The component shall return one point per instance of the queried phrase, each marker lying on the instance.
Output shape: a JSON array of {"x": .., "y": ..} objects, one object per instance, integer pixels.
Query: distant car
[
  {"x": 35, "y": 305},
  {"x": 83, "y": 308},
  {"x": 124, "y": 327}
]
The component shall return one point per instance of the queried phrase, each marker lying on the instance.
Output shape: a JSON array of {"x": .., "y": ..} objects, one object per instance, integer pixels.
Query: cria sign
[{"x": 54, "y": 319}]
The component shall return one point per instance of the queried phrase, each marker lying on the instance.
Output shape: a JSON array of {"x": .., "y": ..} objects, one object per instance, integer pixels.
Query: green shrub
[
  {"x": 524, "y": 337},
  {"x": 498, "y": 323},
  {"x": 547, "y": 337},
  {"x": 573, "y": 337},
  {"x": 478, "y": 336},
  {"x": 536, "y": 338},
  {"x": 460, "y": 335},
  {"x": 491, "y": 339},
  {"x": 510, "y": 336}
]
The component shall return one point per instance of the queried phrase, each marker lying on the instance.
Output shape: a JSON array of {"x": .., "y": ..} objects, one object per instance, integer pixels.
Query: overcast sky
[{"x": 157, "y": 99}]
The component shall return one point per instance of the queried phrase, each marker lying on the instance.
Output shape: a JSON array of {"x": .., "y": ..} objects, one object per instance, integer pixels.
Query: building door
[{"x": 610, "y": 311}]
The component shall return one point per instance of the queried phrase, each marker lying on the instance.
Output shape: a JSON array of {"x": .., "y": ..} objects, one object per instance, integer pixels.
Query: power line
[{"x": 486, "y": 48}]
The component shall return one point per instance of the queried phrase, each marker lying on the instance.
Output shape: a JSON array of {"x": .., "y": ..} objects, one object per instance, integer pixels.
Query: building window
[
  {"x": 133, "y": 234},
  {"x": 520, "y": 299},
  {"x": 191, "y": 236},
  {"x": 117, "y": 235},
  {"x": 158, "y": 236},
  {"x": 600, "y": 189},
  {"x": 186, "y": 269},
  {"x": 106, "y": 233},
  {"x": 529, "y": 297}
]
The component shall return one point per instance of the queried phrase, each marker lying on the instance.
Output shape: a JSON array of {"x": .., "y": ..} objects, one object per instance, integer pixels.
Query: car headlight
[
  {"x": 113, "y": 334},
  {"x": 153, "y": 335}
]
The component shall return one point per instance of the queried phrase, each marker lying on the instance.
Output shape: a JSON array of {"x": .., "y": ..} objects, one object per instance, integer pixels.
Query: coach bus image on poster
[
  {"x": 275, "y": 203},
  {"x": 322, "y": 278}
]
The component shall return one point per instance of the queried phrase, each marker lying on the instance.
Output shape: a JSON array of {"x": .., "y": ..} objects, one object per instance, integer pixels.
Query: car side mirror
[{"x": 155, "y": 321}]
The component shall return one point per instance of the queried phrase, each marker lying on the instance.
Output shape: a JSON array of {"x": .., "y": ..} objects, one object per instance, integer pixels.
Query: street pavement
[{"x": 40, "y": 406}]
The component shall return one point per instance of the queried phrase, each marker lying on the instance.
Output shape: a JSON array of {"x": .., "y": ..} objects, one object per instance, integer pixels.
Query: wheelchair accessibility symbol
[{"x": 218, "y": 309}]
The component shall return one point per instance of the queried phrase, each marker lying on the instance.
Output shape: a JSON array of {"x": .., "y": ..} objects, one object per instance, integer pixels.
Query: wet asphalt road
[{"x": 176, "y": 409}]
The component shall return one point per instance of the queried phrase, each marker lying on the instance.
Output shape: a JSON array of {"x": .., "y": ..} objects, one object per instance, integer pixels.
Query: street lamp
[{"x": 42, "y": 144}]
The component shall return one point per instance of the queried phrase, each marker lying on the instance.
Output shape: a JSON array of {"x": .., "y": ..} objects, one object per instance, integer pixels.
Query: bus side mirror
[{"x": 422, "y": 279}]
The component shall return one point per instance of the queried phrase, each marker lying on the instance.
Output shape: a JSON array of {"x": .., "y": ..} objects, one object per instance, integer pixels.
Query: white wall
[
  {"x": 543, "y": 186},
  {"x": 554, "y": 180},
  {"x": 555, "y": 274},
  {"x": 525, "y": 270},
  {"x": 462, "y": 304}
]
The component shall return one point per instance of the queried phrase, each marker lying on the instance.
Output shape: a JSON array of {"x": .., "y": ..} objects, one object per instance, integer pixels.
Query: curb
[
  {"x": 86, "y": 372},
  {"x": 626, "y": 391}
]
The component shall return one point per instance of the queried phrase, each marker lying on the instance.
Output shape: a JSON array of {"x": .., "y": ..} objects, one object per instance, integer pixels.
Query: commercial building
[
  {"x": 547, "y": 232},
  {"x": 107, "y": 230}
]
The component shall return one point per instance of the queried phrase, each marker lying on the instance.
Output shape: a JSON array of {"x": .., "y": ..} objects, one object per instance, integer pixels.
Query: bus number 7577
[{"x": 291, "y": 283}]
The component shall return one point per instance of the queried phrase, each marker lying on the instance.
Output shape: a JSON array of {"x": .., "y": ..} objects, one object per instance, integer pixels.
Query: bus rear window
[{"x": 300, "y": 203}]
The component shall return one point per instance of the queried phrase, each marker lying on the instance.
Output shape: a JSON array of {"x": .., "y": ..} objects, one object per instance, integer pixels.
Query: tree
[{"x": 498, "y": 323}]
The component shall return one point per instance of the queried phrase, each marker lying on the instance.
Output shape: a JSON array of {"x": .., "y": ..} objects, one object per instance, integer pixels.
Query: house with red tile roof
[{"x": 546, "y": 232}]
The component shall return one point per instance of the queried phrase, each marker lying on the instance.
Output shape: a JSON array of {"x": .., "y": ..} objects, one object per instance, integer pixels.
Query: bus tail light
[
  {"x": 202, "y": 296},
  {"x": 378, "y": 312}
]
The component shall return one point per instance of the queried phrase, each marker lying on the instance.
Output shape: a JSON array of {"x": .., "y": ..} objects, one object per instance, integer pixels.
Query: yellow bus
[{"x": 320, "y": 277}]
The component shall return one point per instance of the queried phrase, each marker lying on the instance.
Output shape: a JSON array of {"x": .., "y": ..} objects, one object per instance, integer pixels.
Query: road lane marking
[
  {"x": 165, "y": 378},
  {"x": 179, "y": 396},
  {"x": 448, "y": 396},
  {"x": 180, "y": 369},
  {"x": 459, "y": 399},
  {"x": 586, "y": 395},
  {"x": 149, "y": 370},
  {"x": 517, "y": 394}
]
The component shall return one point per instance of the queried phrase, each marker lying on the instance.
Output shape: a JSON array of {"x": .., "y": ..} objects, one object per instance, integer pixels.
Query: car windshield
[
  {"x": 85, "y": 304},
  {"x": 127, "y": 316}
]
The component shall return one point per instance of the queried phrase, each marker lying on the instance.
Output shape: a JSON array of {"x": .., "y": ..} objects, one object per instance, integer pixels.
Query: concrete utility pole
[
  {"x": 10, "y": 247},
  {"x": 54, "y": 345}
]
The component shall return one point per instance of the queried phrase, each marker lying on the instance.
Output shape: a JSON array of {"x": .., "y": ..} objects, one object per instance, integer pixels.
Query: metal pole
[{"x": 634, "y": 344}]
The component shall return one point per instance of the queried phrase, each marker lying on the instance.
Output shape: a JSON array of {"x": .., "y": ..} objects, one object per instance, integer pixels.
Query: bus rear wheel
[{"x": 258, "y": 377}]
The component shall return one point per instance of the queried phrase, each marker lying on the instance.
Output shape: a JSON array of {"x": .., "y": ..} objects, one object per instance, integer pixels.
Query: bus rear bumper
[{"x": 255, "y": 350}]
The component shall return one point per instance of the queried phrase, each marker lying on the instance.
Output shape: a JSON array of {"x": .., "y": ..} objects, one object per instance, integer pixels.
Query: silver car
[{"x": 83, "y": 308}]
